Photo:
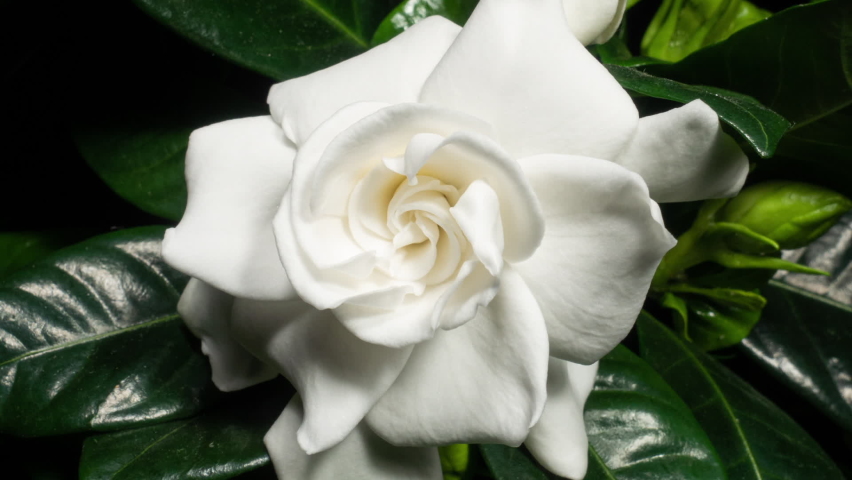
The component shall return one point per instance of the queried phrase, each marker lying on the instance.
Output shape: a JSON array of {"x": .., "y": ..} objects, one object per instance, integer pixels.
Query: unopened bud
[{"x": 790, "y": 213}]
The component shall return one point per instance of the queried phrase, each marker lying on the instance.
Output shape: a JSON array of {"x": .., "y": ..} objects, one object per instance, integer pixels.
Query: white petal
[
  {"x": 483, "y": 382},
  {"x": 602, "y": 245},
  {"x": 684, "y": 155},
  {"x": 594, "y": 21},
  {"x": 558, "y": 441},
  {"x": 478, "y": 215},
  {"x": 236, "y": 174},
  {"x": 311, "y": 232},
  {"x": 475, "y": 287},
  {"x": 360, "y": 456},
  {"x": 393, "y": 72},
  {"x": 517, "y": 65},
  {"x": 207, "y": 313},
  {"x": 464, "y": 158},
  {"x": 339, "y": 376}
]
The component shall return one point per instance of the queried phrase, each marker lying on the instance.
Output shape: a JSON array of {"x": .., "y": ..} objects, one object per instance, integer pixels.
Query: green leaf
[
  {"x": 714, "y": 323},
  {"x": 410, "y": 12},
  {"x": 19, "y": 249},
  {"x": 754, "y": 438},
  {"x": 281, "y": 39},
  {"x": 139, "y": 152},
  {"x": 222, "y": 442},
  {"x": 804, "y": 340},
  {"x": 637, "y": 426},
  {"x": 682, "y": 27},
  {"x": 90, "y": 339},
  {"x": 802, "y": 56},
  {"x": 641, "y": 429},
  {"x": 758, "y": 125},
  {"x": 507, "y": 463}
]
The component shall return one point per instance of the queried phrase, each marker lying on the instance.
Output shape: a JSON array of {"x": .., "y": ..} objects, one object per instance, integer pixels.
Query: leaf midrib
[
  {"x": 152, "y": 445},
  {"x": 84, "y": 340},
  {"x": 336, "y": 23},
  {"x": 727, "y": 406}
]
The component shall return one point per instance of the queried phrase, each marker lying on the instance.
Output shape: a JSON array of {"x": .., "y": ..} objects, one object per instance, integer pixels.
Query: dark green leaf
[
  {"x": 222, "y": 442},
  {"x": 825, "y": 146},
  {"x": 754, "y": 438},
  {"x": 410, "y": 12},
  {"x": 796, "y": 62},
  {"x": 641, "y": 429},
  {"x": 507, "y": 463},
  {"x": 19, "y": 249},
  {"x": 281, "y": 39},
  {"x": 90, "y": 339},
  {"x": 804, "y": 340},
  {"x": 758, "y": 125},
  {"x": 140, "y": 152},
  {"x": 712, "y": 323},
  {"x": 638, "y": 428}
]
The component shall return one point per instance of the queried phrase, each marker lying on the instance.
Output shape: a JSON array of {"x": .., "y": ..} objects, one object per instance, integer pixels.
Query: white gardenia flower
[{"x": 437, "y": 240}]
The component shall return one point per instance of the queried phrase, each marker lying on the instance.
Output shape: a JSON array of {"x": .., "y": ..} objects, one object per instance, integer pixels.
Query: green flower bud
[{"x": 790, "y": 213}]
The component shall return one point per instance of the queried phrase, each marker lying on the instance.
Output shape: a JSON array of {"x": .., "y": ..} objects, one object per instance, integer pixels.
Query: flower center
[{"x": 427, "y": 242}]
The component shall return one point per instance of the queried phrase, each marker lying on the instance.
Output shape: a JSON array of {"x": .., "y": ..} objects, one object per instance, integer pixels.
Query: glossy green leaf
[
  {"x": 682, "y": 27},
  {"x": 140, "y": 152},
  {"x": 410, "y": 12},
  {"x": 281, "y": 39},
  {"x": 222, "y": 442},
  {"x": 19, "y": 249},
  {"x": 754, "y": 438},
  {"x": 638, "y": 428},
  {"x": 641, "y": 429},
  {"x": 804, "y": 340},
  {"x": 712, "y": 323},
  {"x": 758, "y": 125},
  {"x": 90, "y": 339},
  {"x": 802, "y": 56}
]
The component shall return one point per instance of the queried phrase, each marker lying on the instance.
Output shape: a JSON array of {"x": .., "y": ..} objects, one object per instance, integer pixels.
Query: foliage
[{"x": 98, "y": 371}]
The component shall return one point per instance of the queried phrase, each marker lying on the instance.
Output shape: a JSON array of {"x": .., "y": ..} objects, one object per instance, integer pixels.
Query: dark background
[{"x": 74, "y": 65}]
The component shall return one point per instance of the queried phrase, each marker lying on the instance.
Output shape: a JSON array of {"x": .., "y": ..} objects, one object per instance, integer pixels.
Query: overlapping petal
[
  {"x": 236, "y": 174},
  {"x": 684, "y": 155},
  {"x": 517, "y": 65},
  {"x": 339, "y": 376},
  {"x": 483, "y": 382},
  {"x": 393, "y": 72},
  {"x": 207, "y": 313},
  {"x": 558, "y": 441},
  {"x": 362, "y": 455},
  {"x": 603, "y": 242},
  {"x": 594, "y": 21}
]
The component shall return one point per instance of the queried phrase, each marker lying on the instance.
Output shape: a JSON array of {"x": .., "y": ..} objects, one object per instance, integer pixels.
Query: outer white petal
[
  {"x": 594, "y": 21},
  {"x": 393, "y": 72},
  {"x": 684, "y": 155},
  {"x": 207, "y": 313},
  {"x": 483, "y": 382},
  {"x": 360, "y": 456},
  {"x": 517, "y": 65},
  {"x": 558, "y": 441},
  {"x": 339, "y": 376},
  {"x": 236, "y": 174},
  {"x": 603, "y": 241}
]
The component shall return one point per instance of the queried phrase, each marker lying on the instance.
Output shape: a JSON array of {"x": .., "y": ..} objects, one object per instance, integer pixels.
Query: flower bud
[{"x": 792, "y": 214}]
